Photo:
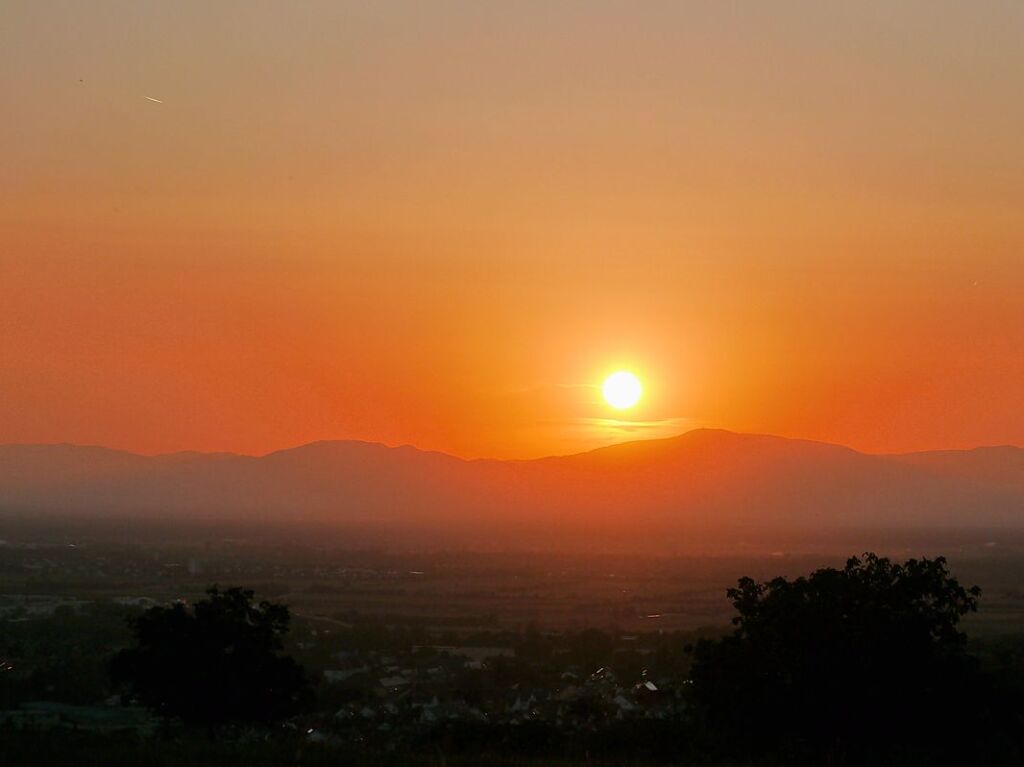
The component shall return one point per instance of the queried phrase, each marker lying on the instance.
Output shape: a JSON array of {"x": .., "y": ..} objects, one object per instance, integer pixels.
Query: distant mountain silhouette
[
  {"x": 700, "y": 482},
  {"x": 1002, "y": 465}
]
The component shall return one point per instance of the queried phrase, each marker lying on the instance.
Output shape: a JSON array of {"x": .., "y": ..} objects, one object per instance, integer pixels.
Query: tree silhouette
[
  {"x": 217, "y": 663},
  {"x": 851, "y": 663}
]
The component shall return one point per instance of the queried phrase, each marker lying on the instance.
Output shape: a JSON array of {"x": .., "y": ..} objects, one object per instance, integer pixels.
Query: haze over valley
[{"x": 703, "y": 486}]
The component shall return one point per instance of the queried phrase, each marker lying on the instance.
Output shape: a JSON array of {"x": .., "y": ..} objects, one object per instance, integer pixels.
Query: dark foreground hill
[{"x": 700, "y": 483}]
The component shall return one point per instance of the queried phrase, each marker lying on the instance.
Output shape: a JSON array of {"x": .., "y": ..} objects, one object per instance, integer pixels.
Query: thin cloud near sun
[
  {"x": 675, "y": 425},
  {"x": 571, "y": 416}
]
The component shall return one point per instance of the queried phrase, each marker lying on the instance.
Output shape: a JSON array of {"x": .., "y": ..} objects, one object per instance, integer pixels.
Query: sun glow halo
[{"x": 622, "y": 390}]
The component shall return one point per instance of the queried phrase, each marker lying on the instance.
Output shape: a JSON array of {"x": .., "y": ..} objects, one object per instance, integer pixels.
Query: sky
[{"x": 243, "y": 226}]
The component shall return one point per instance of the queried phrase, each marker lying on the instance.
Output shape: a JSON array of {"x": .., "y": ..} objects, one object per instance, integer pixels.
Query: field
[{"x": 332, "y": 579}]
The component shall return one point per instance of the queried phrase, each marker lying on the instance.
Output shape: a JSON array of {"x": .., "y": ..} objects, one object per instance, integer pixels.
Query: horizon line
[{"x": 409, "y": 446}]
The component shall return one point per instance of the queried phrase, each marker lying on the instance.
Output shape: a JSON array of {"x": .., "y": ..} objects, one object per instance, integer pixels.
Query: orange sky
[{"x": 443, "y": 223}]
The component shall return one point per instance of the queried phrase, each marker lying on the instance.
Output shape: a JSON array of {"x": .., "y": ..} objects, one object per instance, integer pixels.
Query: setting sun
[{"x": 622, "y": 390}]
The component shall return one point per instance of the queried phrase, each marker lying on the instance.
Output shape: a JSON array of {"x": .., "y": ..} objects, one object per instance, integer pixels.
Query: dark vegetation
[
  {"x": 864, "y": 664},
  {"x": 218, "y": 662},
  {"x": 853, "y": 665}
]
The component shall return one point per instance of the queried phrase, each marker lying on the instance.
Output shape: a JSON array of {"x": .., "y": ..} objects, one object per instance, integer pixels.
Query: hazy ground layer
[{"x": 338, "y": 578}]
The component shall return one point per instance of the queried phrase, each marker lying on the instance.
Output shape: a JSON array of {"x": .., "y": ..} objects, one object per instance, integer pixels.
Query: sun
[{"x": 622, "y": 390}]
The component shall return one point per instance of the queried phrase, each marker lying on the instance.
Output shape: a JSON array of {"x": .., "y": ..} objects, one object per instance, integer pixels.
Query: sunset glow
[
  {"x": 379, "y": 240},
  {"x": 477, "y": 347}
]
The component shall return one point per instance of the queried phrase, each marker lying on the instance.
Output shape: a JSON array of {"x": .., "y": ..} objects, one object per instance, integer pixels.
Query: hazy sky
[{"x": 441, "y": 223}]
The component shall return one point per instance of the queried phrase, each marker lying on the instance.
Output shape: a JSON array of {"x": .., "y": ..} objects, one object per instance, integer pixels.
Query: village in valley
[{"x": 428, "y": 659}]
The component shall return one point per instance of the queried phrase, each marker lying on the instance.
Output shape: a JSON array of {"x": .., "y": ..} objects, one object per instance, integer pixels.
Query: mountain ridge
[
  {"x": 614, "y": 446},
  {"x": 701, "y": 480}
]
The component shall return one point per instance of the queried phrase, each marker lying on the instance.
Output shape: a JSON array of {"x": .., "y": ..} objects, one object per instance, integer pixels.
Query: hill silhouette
[{"x": 699, "y": 482}]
